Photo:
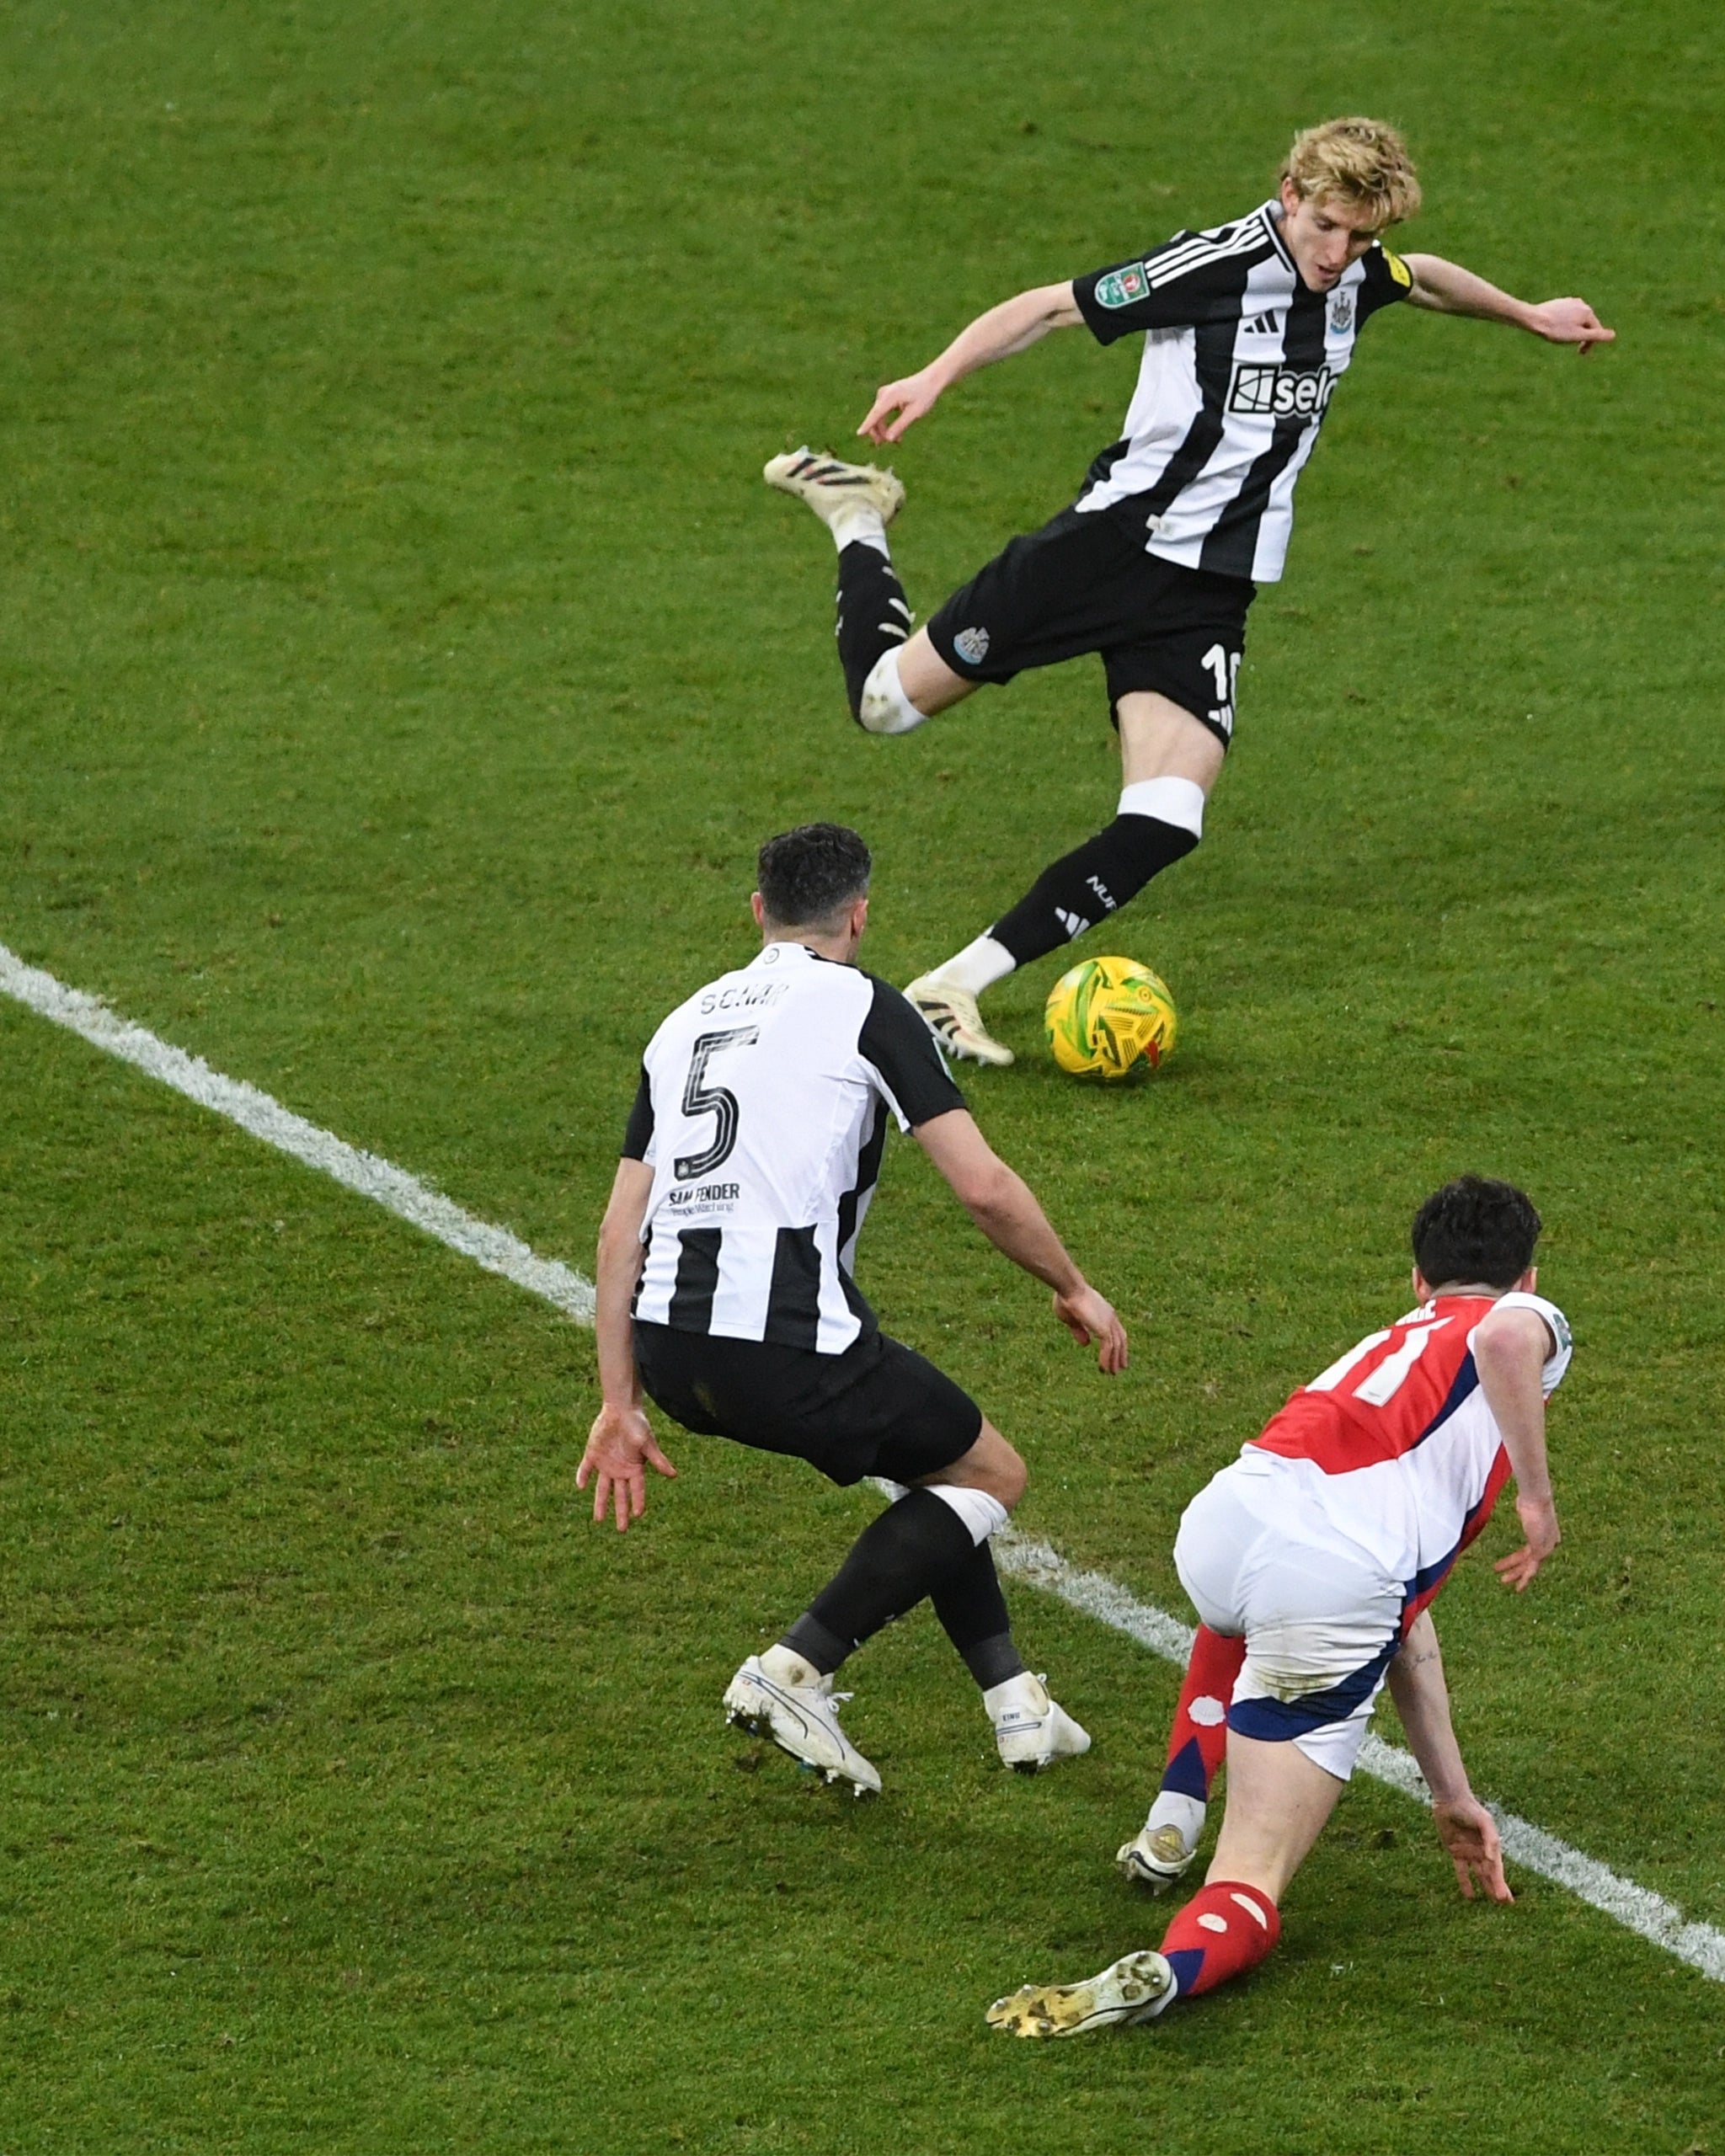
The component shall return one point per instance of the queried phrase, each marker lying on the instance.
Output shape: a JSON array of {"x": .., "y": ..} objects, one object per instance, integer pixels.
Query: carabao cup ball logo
[{"x": 1110, "y": 1018}]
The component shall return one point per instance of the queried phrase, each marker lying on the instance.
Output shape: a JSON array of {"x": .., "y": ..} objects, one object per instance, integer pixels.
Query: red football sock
[
  {"x": 1199, "y": 1740},
  {"x": 1224, "y": 1931}
]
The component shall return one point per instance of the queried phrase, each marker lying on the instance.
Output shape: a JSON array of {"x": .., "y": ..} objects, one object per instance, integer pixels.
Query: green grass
[{"x": 403, "y": 663}]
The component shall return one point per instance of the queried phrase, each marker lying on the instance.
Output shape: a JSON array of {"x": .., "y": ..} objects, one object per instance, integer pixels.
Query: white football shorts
[{"x": 1321, "y": 1621}]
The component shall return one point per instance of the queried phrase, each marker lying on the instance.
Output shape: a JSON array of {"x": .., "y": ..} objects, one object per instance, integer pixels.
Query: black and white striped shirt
[
  {"x": 763, "y": 1113},
  {"x": 1239, "y": 359}
]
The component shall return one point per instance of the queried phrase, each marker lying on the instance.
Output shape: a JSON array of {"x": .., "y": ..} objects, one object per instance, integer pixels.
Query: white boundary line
[
  {"x": 493, "y": 1248},
  {"x": 496, "y": 1249}
]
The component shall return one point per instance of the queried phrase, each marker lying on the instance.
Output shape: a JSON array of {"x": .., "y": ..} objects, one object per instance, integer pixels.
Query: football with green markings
[{"x": 1111, "y": 1019}]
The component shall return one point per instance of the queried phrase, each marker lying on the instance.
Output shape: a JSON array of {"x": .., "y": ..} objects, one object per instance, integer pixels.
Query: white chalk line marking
[
  {"x": 1092, "y": 1594},
  {"x": 493, "y": 1248}
]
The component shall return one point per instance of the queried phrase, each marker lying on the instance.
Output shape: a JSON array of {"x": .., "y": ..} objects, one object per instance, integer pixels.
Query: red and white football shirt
[{"x": 1395, "y": 1441}]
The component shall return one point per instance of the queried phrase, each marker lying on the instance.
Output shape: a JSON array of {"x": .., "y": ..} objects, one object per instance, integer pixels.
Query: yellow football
[{"x": 1110, "y": 1018}]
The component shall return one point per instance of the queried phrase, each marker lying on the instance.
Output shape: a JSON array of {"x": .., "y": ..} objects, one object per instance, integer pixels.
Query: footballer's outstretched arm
[
  {"x": 621, "y": 1444},
  {"x": 1003, "y": 1205},
  {"x": 1509, "y": 1351},
  {"x": 1013, "y": 326},
  {"x": 1446, "y": 288},
  {"x": 1466, "y": 1829}
]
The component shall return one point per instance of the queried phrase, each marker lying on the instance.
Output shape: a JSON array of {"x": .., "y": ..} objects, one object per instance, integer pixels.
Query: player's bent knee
[
  {"x": 1003, "y": 1473},
  {"x": 884, "y": 707},
  {"x": 1014, "y": 1480},
  {"x": 991, "y": 1465},
  {"x": 926, "y": 679}
]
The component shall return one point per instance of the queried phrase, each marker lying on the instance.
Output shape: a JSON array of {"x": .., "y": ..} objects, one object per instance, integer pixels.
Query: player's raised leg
[
  {"x": 1170, "y": 761},
  {"x": 891, "y": 689},
  {"x": 1166, "y": 1843}
]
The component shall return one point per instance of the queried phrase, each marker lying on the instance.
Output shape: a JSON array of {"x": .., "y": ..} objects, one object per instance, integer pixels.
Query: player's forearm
[
  {"x": 1012, "y": 326},
  {"x": 1008, "y": 1215},
  {"x": 1422, "y": 1699},
  {"x": 1446, "y": 288},
  {"x": 619, "y": 1268}
]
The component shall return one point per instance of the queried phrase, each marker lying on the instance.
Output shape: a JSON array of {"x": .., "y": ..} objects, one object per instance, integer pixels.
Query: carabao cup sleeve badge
[{"x": 1121, "y": 287}]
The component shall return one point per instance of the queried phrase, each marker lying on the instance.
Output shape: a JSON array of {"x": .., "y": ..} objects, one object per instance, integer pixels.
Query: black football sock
[
  {"x": 809, "y": 1638},
  {"x": 872, "y": 616},
  {"x": 969, "y": 1603},
  {"x": 898, "y": 1558},
  {"x": 1087, "y": 884}
]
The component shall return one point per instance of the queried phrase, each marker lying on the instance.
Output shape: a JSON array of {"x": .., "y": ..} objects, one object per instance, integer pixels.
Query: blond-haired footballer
[{"x": 1248, "y": 327}]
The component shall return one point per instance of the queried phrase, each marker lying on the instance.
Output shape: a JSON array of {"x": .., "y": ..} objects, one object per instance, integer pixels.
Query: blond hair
[{"x": 1361, "y": 161}]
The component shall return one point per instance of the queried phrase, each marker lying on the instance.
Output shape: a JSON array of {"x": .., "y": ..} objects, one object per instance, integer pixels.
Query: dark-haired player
[
  {"x": 1313, "y": 1560},
  {"x": 1248, "y": 327},
  {"x": 725, "y": 1293}
]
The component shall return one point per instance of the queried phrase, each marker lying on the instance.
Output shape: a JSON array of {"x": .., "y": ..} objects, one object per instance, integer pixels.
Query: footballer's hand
[
  {"x": 911, "y": 398},
  {"x": 1469, "y": 1834},
  {"x": 1539, "y": 1523},
  {"x": 1089, "y": 1317},
  {"x": 1570, "y": 321},
  {"x": 620, "y": 1448}
]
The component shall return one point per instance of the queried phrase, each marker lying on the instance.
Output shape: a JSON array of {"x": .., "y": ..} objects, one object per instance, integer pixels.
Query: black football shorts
[
  {"x": 1081, "y": 584},
  {"x": 878, "y": 1408}
]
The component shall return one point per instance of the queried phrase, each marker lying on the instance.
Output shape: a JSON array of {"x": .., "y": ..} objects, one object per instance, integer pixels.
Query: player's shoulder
[
  {"x": 891, "y": 1021},
  {"x": 894, "y": 1040},
  {"x": 883, "y": 994},
  {"x": 1190, "y": 258},
  {"x": 1560, "y": 1340},
  {"x": 1381, "y": 261},
  {"x": 1193, "y": 249},
  {"x": 1380, "y": 277}
]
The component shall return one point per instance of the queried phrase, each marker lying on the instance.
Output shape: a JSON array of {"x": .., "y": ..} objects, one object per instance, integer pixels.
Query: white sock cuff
[
  {"x": 886, "y": 709},
  {"x": 853, "y": 522},
  {"x": 1171, "y": 1809},
  {"x": 979, "y": 965},
  {"x": 1175, "y": 801},
  {"x": 982, "y": 1513}
]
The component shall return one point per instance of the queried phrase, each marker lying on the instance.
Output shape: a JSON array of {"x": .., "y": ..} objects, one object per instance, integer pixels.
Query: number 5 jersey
[{"x": 762, "y": 1111}]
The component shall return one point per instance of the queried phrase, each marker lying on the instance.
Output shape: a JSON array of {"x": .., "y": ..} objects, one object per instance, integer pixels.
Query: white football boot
[
  {"x": 1030, "y": 1729},
  {"x": 950, "y": 1015},
  {"x": 797, "y": 1707},
  {"x": 834, "y": 489},
  {"x": 1156, "y": 1857},
  {"x": 1135, "y": 1989}
]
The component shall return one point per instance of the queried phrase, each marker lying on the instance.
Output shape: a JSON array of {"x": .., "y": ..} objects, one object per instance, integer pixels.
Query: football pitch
[{"x": 402, "y": 663}]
